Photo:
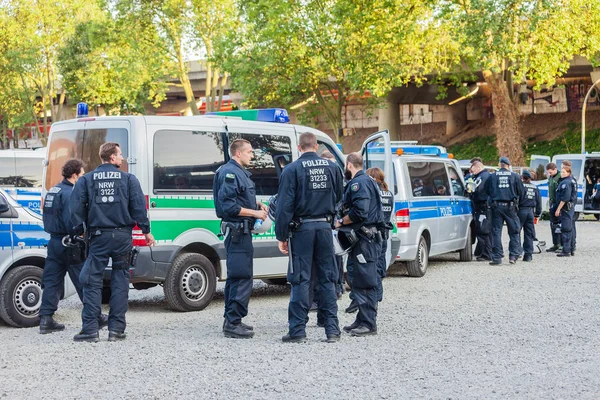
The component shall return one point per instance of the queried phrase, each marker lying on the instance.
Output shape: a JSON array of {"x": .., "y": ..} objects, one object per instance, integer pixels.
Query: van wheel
[
  {"x": 466, "y": 254},
  {"x": 190, "y": 283},
  {"x": 597, "y": 216},
  {"x": 418, "y": 267},
  {"x": 275, "y": 281},
  {"x": 21, "y": 296}
]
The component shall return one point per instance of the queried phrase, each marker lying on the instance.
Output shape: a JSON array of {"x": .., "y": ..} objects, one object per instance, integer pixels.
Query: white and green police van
[
  {"x": 23, "y": 244},
  {"x": 175, "y": 160}
]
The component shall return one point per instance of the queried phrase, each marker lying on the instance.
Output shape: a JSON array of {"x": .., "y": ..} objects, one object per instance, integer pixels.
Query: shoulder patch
[
  {"x": 354, "y": 187},
  {"x": 564, "y": 185},
  {"x": 229, "y": 177},
  {"x": 55, "y": 189}
]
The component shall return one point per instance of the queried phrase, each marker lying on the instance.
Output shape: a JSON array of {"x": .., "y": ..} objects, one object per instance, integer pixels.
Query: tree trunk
[
  {"x": 185, "y": 80},
  {"x": 334, "y": 119},
  {"x": 221, "y": 90},
  {"x": 208, "y": 86},
  {"x": 506, "y": 119}
]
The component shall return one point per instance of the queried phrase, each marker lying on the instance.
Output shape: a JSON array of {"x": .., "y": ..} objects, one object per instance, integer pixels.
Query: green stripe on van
[
  {"x": 178, "y": 202},
  {"x": 169, "y": 230}
]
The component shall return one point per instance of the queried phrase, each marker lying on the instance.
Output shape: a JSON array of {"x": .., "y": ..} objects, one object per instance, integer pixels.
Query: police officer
[
  {"x": 387, "y": 202},
  {"x": 110, "y": 203},
  {"x": 60, "y": 259},
  {"x": 553, "y": 178},
  {"x": 530, "y": 207},
  {"x": 505, "y": 188},
  {"x": 309, "y": 190},
  {"x": 574, "y": 191},
  {"x": 235, "y": 203},
  {"x": 481, "y": 211},
  {"x": 565, "y": 211},
  {"x": 365, "y": 216}
]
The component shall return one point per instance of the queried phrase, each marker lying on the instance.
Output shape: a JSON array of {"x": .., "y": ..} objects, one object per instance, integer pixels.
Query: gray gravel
[{"x": 465, "y": 330}]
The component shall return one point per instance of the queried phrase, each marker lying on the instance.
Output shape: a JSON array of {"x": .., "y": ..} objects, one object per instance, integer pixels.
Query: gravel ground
[{"x": 465, "y": 330}]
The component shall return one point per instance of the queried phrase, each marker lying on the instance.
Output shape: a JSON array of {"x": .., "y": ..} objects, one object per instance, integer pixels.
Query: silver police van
[
  {"x": 23, "y": 245},
  {"x": 432, "y": 208}
]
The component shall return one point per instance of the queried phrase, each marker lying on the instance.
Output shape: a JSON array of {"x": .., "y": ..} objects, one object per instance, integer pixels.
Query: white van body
[
  {"x": 23, "y": 244},
  {"x": 175, "y": 159},
  {"x": 429, "y": 224},
  {"x": 21, "y": 175},
  {"x": 581, "y": 165}
]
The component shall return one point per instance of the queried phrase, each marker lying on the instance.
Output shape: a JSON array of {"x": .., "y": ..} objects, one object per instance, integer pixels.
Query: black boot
[
  {"x": 49, "y": 325},
  {"x": 363, "y": 331},
  {"x": 293, "y": 339},
  {"x": 114, "y": 336},
  {"x": 348, "y": 328},
  {"x": 352, "y": 308},
  {"x": 86, "y": 337},
  {"x": 236, "y": 331}
]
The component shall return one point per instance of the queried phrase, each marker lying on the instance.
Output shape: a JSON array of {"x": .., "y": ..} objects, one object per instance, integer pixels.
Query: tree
[
  {"x": 114, "y": 65},
  {"x": 515, "y": 40},
  {"x": 284, "y": 52}
]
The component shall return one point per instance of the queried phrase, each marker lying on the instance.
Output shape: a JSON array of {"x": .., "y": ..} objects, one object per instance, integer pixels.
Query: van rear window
[{"x": 84, "y": 144}]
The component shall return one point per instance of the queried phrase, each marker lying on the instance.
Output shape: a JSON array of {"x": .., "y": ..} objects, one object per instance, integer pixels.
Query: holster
[
  {"x": 121, "y": 262},
  {"x": 368, "y": 233}
]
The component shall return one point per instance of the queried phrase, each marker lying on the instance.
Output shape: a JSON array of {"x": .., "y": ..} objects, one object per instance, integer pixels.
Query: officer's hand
[
  {"x": 262, "y": 206},
  {"x": 150, "y": 239},
  {"x": 283, "y": 247},
  {"x": 557, "y": 213},
  {"x": 338, "y": 225},
  {"x": 261, "y": 214}
]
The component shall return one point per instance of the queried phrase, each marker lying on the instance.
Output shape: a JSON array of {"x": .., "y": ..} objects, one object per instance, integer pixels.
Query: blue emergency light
[
  {"x": 82, "y": 110},
  {"x": 279, "y": 115}
]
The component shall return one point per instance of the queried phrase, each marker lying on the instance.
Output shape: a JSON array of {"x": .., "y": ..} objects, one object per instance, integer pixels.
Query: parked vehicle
[{"x": 21, "y": 175}]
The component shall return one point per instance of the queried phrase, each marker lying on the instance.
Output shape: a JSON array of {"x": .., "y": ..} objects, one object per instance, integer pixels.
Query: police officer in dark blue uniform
[
  {"x": 565, "y": 211},
  {"x": 387, "y": 202},
  {"x": 61, "y": 259},
  {"x": 481, "y": 211},
  {"x": 505, "y": 188},
  {"x": 574, "y": 193},
  {"x": 235, "y": 203},
  {"x": 530, "y": 207},
  {"x": 309, "y": 190},
  {"x": 365, "y": 216},
  {"x": 109, "y": 202}
]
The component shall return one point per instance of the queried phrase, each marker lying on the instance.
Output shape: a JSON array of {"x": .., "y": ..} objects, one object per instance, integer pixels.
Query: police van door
[
  {"x": 377, "y": 152},
  {"x": 541, "y": 180}
]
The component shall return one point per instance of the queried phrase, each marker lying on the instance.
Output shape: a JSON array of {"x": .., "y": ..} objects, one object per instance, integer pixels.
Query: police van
[
  {"x": 23, "y": 245},
  {"x": 175, "y": 160},
  {"x": 585, "y": 169},
  {"x": 432, "y": 207},
  {"x": 21, "y": 175}
]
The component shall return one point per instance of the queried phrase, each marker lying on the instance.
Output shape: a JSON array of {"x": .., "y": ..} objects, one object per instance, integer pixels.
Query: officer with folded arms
[
  {"x": 107, "y": 203},
  {"x": 235, "y": 203},
  {"x": 309, "y": 190},
  {"x": 365, "y": 216},
  {"x": 481, "y": 211},
  {"x": 505, "y": 188},
  {"x": 530, "y": 207},
  {"x": 61, "y": 258}
]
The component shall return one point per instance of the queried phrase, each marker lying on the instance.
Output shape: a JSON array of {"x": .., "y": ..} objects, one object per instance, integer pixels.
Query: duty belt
[
  {"x": 504, "y": 203},
  {"x": 316, "y": 220}
]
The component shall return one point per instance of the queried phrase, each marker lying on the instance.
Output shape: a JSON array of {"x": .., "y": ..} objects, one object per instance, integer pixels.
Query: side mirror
[{"x": 4, "y": 207}]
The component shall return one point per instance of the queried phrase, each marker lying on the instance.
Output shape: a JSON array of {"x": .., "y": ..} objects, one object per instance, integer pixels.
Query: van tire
[
  {"x": 21, "y": 296},
  {"x": 466, "y": 254},
  {"x": 418, "y": 266},
  {"x": 275, "y": 281},
  {"x": 190, "y": 283}
]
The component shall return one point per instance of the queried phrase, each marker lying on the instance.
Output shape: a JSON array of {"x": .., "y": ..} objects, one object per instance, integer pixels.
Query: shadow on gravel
[{"x": 399, "y": 270}]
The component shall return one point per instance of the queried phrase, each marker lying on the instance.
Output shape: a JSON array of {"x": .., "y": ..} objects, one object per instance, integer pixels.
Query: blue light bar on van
[
  {"x": 82, "y": 110},
  {"x": 279, "y": 115},
  {"x": 422, "y": 150}
]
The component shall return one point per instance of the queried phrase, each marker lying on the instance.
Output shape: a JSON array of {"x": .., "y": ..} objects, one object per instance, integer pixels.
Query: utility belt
[
  {"x": 504, "y": 204},
  {"x": 568, "y": 206},
  {"x": 125, "y": 261},
  {"x": 371, "y": 233},
  {"x": 236, "y": 229},
  {"x": 298, "y": 221}
]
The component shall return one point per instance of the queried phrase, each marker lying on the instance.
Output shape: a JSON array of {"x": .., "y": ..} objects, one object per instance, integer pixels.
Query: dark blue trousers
[
  {"x": 364, "y": 281},
  {"x": 350, "y": 272},
  {"x": 508, "y": 214},
  {"x": 567, "y": 228},
  {"x": 112, "y": 243},
  {"x": 59, "y": 262},
  {"x": 312, "y": 245},
  {"x": 381, "y": 270},
  {"x": 240, "y": 273},
  {"x": 526, "y": 219},
  {"x": 481, "y": 215},
  {"x": 554, "y": 221}
]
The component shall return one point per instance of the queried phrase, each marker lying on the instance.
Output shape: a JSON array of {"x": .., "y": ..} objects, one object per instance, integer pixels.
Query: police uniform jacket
[
  {"x": 574, "y": 190},
  {"x": 108, "y": 198},
  {"x": 481, "y": 192},
  {"x": 233, "y": 190},
  {"x": 57, "y": 213},
  {"x": 531, "y": 198},
  {"x": 505, "y": 186},
  {"x": 310, "y": 187},
  {"x": 564, "y": 192},
  {"x": 387, "y": 202},
  {"x": 363, "y": 201}
]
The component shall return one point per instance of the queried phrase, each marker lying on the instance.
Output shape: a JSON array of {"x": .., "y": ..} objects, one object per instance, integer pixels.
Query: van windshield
[
  {"x": 575, "y": 168},
  {"x": 84, "y": 144}
]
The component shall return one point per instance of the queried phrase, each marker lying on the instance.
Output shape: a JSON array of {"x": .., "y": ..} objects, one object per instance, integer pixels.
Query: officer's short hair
[
  {"x": 327, "y": 154},
  {"x": 307, "y": 141},
  {"x": 476, "y": 159},
  {"x": 72, "y": 166},
  {"x": 550, "y": 165},
  {"x": 108, "y": 149},
  {"x": 567, "y": 163},
  {"x": 355, "y": 159},
  {"x": 477, "y": 164},
  {"x": 236, "y": 145}
]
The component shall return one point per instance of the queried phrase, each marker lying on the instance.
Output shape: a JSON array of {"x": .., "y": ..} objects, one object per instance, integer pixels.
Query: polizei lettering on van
[{"x": 107, "y": 175}]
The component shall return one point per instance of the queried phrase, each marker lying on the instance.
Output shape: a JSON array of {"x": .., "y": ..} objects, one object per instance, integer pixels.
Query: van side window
[
  {"x": 186, "y": 160},
  {"x": 457, "y": 186},
  {"x": 7, "y": 171},
  {"x": 428, "y": 179},
  {"x": 28, "y": 172},
  {"x": 271, "y": 154}
]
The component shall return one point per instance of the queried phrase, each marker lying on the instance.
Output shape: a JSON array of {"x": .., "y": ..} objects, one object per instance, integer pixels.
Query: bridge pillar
[
  {"x": 389, "y": 118},
  {"x": 457, "y": 118}
]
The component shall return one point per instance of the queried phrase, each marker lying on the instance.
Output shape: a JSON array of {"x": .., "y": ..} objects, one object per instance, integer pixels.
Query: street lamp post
[{"x": 597, "y": 82}]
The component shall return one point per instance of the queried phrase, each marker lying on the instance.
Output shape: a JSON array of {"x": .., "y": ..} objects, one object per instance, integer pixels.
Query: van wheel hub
[
  {"x": 194, "y": 282},
  {"x": 28, "y": 296}
]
